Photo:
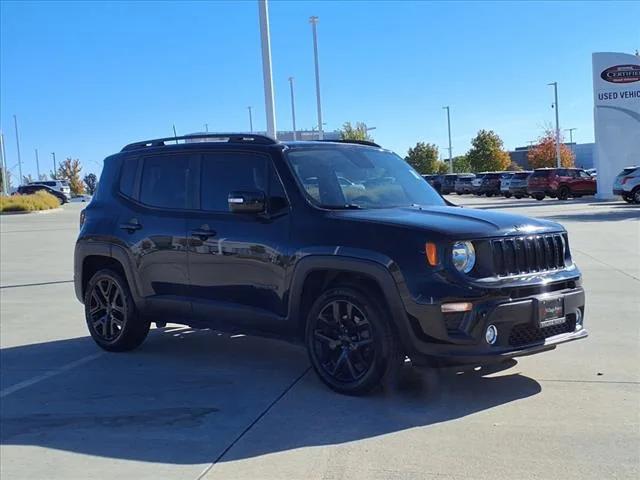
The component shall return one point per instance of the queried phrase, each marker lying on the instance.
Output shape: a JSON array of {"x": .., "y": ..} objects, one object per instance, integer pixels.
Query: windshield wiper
[{"x": 345, "y": 206}]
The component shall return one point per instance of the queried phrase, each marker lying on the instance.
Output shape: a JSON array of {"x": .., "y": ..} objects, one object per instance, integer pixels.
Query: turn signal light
[
  {"x": 457, "y": 307},
  {"x": 432, "y": 254}
]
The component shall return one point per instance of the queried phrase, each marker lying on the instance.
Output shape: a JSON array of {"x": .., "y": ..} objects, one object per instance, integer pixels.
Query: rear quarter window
[
  {"x": 541, "y": 173},
  {"x": 128, "y": 176}
]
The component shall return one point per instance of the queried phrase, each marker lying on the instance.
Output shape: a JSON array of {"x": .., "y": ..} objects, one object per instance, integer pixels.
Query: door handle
[
  {"x": 131, "y": 225},
  {"x": 203, "y": 234}
]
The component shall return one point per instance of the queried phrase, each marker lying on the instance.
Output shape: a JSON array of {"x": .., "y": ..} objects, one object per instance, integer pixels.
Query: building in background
[{"x": 584, "y": 153}]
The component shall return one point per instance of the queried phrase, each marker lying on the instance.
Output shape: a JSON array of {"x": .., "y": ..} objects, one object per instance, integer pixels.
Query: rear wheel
[
  {"x": 489, "y": 194},
  {"x": 539, "y": 196},
  {"x": 507, "y": 194},
  {"x": 351, "y": 344},
  {"x": 636, "y": 195},
  {"x": 563, "y": 193},
  {"x": 518, "y": 197},
  {"x": 111, "y": 315}
]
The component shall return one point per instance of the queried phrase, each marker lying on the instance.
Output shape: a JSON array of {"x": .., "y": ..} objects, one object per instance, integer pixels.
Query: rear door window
[{"x": 165, "y": 180}]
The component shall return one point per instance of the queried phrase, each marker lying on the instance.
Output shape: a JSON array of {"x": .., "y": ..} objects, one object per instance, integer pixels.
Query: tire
[
  {"x": 539, "y": 196},
  {"x": 507, "y": 195},
  {"x": 459, "y": 193},
  {"x": 627, "y": 198},
  {"x": 111, "y": 315},
  {"x": 563, "y": 193},
  {"x": 518, "y": 197},
  {"x": 351, "y": 343},
  {"x": 636, "y": 195},
  {"x": 489, "y": 194}
]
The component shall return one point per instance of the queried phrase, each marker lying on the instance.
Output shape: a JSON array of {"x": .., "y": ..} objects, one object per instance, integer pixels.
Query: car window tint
[
  {"x": 277, "y": 196},
  {"x": 128, "y": 176},
  {"x": 226, "y": 172},
  {"x": 164, "y": 181}
]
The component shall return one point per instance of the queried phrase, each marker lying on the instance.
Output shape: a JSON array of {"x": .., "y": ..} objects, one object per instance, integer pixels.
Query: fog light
[
  {"x": 456, "y": 307},
  {"x": 491, "y": 335},
  {"x": 578, "y": 319}
]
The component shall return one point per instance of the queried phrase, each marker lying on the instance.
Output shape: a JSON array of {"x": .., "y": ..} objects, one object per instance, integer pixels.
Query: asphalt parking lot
[{"x": 198, "y": 404}]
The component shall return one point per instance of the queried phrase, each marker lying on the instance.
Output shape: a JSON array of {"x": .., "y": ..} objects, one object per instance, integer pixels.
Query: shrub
[{"x": 28, "y": 203}]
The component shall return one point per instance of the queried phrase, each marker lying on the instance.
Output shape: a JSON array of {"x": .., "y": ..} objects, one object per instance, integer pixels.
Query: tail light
[
  {"x": 624, "y": 180},
  {"x": 83, "y": 217}
]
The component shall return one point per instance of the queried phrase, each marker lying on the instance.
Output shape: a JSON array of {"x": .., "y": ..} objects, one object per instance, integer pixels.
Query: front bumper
[{"x": 459, "y": 339}]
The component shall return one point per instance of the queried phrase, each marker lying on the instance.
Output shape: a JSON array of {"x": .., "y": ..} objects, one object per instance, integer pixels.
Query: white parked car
[
  {"x": 61, "y": 186},
  {"x": 627, "y": 184}
]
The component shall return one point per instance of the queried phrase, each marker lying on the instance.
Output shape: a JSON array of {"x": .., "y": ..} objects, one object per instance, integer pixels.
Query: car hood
[{"x": 454, "y": 222}]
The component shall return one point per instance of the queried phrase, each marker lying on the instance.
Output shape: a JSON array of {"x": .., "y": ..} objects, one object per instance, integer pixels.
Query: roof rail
[
  {"x": 357, "y": 142},
  {"x": 217, "y": 137}
]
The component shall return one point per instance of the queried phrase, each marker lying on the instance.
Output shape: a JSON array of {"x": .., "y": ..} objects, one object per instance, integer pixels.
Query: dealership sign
[
  {"x": 621, "y": 74},
  {"x": 616, "y": 100}
]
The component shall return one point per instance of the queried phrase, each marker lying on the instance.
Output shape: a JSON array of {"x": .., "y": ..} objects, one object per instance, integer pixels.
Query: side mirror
[{"x": 247, "y": 202}]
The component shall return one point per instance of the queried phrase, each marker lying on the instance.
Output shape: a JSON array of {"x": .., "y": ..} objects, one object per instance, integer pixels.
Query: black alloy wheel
[
  {"x": 351, "y": 344},
  {"x": 111, "y": 315}
]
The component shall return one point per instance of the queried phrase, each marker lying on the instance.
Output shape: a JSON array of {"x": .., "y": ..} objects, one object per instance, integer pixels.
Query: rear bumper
[
  {"x": 443, "y": 339},
  {"x": 619, "y": 191}
]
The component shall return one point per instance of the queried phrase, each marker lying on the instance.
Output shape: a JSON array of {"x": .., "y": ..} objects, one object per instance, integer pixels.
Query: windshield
[{"x": 357, "y": 177}]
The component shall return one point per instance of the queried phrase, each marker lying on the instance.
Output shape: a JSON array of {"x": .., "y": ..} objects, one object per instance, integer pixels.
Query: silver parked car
[{"x": 627, "y": 184}]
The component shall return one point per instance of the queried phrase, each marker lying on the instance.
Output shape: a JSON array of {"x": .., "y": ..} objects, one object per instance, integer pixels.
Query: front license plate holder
[{"x": 551, "y": 312}]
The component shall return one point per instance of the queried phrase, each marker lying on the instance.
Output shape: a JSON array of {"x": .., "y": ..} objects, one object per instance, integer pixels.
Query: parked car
[
  {"x": 490, "y": 184},
  {"x": 518, "y": 184},
  {"x": 431, "y": 180},
  {"x": 31, "y": 189},
  {"x": 364, "y": 278},
  {"x": 627, "y": 184},
  {"x": 561, "y": 183},
  {"x": 505, "y": 181},
  {"x": 61, "y": 186},
  {"x": 476, "y": 183},
  {"x": 592, "y": 171},
  {"x": 448, "y": 183},
  {"x": 463, "y": 183}
]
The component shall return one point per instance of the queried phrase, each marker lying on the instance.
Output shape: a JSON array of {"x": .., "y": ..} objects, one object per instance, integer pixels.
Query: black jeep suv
[{"x": 242, "y": 233}]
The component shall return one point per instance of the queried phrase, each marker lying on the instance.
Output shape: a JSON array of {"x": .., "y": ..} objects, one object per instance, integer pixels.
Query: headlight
[{"x": 463, "y": 256}]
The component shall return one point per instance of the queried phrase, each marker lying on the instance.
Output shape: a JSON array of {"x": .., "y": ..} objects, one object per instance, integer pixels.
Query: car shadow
[{"x": 187, "y": 395}]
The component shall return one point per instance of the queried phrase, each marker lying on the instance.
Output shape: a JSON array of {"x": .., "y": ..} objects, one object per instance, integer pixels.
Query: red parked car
[{"x": 561, "y": 183}]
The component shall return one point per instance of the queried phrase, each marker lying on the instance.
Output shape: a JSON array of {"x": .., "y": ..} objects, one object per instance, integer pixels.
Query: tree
[
  {"x": 69, "y": 170},
  {"x": 423, "y": 157},
  {"x": 514, "y": 167},
  {"x": 461, "y": 164},
  {"x": 91, "y": 182},
  {"x": 357, "y": 132},
  {"x": 27, "y": 179},
  {"x": 544, "y": 153},
  {"x": 486, "y": 153},
  {"x": 441, "y": 167}
]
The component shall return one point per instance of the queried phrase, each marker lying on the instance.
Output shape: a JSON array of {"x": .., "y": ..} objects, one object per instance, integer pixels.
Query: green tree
[
  {"x": 442, "y": 167},
  {"x": 69, "y": 170},
  {"x": 423, "y": 157},
  {"x": 91, "y": 182},
  {"x": 461, "y": 164},
  {"x": 486, "y": 153},
  {"x": 355, "y": 132}
]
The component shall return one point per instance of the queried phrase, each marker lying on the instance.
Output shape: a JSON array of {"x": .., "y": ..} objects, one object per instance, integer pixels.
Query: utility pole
[
  {"x": 250, "y": 119},
  {"x": 555, "y": 90},
  {"x": 175, "y": 135},
  {"x": 263, "y": 9},
  {"x": 15, "y": 123},
  {"x": 313, "y": 20},
  {"x": 55, "y": 168},
  {"x": 293, "y": 110},
  {"x": 449, "y": 129},
  {"x": 206, "y": 127},
  {"x": 3, "y": 166},
  {"x": 37, "y": 165}
]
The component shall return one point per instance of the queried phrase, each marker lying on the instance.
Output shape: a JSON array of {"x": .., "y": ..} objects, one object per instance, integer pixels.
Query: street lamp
[
  {"x": 449, "y": 129},
  {"x": 15, "y": 123},
  {"x": 555, "y": 90},
  {"x": 293, "y": 110},
  {"x": 55, "y": 168},
  {"x": 313, "y": 20},
  {"x": 250, "y": 119},
  {"x": 570, "y": 130},
  {"x": 263, "y": 9}
]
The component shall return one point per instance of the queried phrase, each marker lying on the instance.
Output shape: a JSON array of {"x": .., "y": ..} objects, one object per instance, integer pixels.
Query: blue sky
[{"x": 85, "y": 78}]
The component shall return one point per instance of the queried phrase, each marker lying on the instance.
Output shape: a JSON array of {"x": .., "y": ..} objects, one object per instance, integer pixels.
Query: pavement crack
[
  {"x": 20, "y": 285},
  {"x": 251, "y": 425},
  {"x": 607, "y": 264}
]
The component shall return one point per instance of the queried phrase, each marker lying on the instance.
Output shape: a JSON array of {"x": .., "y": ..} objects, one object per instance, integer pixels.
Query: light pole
[
  {"x": 313, "y": 20},
  {"x": 37, "y": 165},
  {"x": 206, "y": 127},
  {"x": 55, "y": 168},
  {"x": 15, "y": 123},
  {"x": 250, "y": 119},
  {"x": 3, "y": 166},
  {"x": 449, "y": 129},
  {"x": 293, "y": 110},
  {"x": 570, "y": 130},
  {"x": 555, "y": 91},
  {"x": 263, "y": 9}
]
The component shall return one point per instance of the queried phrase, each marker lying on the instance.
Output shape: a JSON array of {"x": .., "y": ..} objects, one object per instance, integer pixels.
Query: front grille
[
  {"x": 527, "y": 254},
  {"x": 526, "y": 333}
]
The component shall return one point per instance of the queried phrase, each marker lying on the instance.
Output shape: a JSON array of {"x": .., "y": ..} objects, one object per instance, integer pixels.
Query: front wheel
[
  {"x": 351, "y": 343},
  {"x": 636, "y": 195},
  {"x": 112, "y": 319},
  {"x": 563, "y": 193},
  {"x": 539, "y": 196},
  {"x": 507, "y": 194},
  {"x": 518, "y": 197}
]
